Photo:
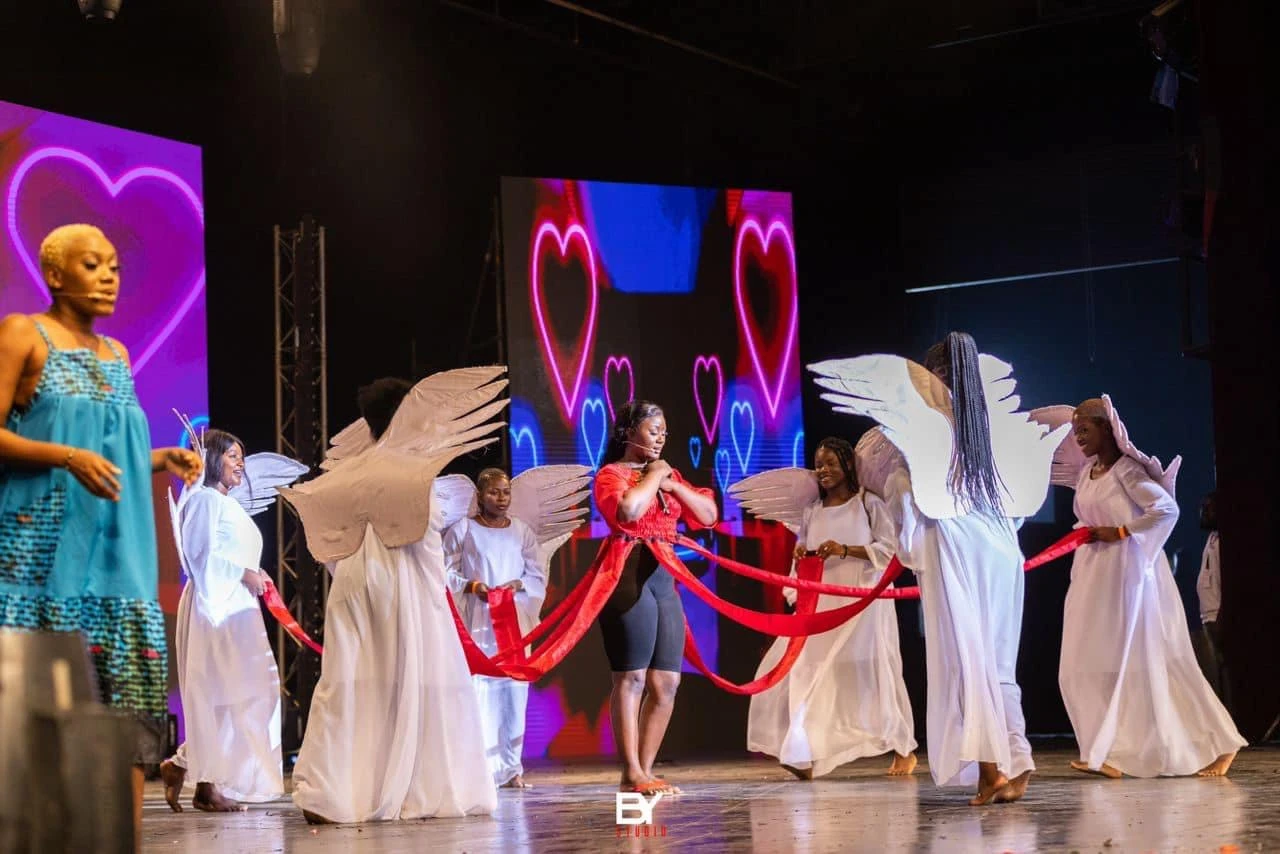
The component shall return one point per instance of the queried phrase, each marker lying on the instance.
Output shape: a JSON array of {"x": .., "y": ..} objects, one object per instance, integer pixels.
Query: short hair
[
  {"x": 56, "y": 244},
  {"x": 379, "y": 401},
  {"x": 216, "y": 443},
  {"x": 488, "y": 475}
]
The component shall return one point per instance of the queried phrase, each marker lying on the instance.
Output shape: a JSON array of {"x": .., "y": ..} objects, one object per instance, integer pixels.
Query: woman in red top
[{"x": 642, "y": 497}]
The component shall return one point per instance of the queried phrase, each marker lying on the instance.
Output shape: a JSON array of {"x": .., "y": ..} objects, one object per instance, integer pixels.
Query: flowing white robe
[
  {"x": 844, "y": 697},
  {"x": 971, "y": 587},
  {"x": 1129, "y": 677},
  {"x": 393, "y": 731},
  {"x": 496, "y": 556},
  {"x": 226, "y": 670}
]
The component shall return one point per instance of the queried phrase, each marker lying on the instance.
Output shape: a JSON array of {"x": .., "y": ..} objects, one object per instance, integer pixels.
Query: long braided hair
[
  {"x": 973, "y": 470},
  {"x": 630, "y": 415},
  {"x": 844, "y": 453}
]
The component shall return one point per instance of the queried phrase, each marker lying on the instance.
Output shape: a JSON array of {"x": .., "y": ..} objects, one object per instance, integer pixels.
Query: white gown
[
  {"x": 226, "y": 670},
  {"x": 1129, "y": 678},
  {"x": 495, "y": 556},
  {"x": 393, "y": 729},
  {"x": 844, "y": 697},
  {"x": 971, "y": 587}
]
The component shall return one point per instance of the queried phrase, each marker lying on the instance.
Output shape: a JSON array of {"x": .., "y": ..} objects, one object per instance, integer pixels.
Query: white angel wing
[
  {"x": 347, "y": 443},
  {"x": 1023, "y": 449},
  {"x": 1166, "y": 477},
  {"x": 778, "y": 495},
  {"x": 263, "y": 474},
  {"x": 197, "y": 439},
  {"x": 1068, "y": 459},
  {"x": 175, "y": 519},
  {"x": 913, "y": 408},
  {"x": 388, "y": 484},
  {"x": 874, "y": 459},
  {"x": 549, "y": 500},
  {"x": 455, "y": 499}
]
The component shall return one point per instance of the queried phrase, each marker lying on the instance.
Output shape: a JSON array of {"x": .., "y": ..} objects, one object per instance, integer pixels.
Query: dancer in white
[
  {"x": 226, "y": 670},
  {"x": 972, "y": 463},
  {"x": 506, "y": 539},
  {"x": 393, "y": 731},
  {"x": 1137, "y": 699},
  {"x": 844, "y": 697}
]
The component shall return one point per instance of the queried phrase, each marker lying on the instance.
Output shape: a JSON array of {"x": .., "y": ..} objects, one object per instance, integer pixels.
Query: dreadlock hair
[
  {"x": 954, "y": 360},
  {"x": 489, "y": 475},
  {"x": 844, "y": 453},
  {"x": 379, "y": 400},
  {"x": 629, "y": 416},
  {"x": 216, "y": 443}
]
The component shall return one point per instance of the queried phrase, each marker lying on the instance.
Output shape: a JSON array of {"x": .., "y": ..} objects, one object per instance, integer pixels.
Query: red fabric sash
[{"x": 275, "y": 604}]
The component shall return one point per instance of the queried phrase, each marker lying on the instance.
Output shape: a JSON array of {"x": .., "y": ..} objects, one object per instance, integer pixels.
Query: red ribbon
[{"x": 275, "y": 604}]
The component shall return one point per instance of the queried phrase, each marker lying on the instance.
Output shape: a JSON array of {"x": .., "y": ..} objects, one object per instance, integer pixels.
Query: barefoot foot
[
  {"x": 209, "y": 799},
  {"x": 1014, "y": 789},
  {"x": 312, "y": 818},
  {"x": 173, "y": 777},
  {"x": 989, "y": 785},
  {"x": 1106, "y": 770},
  {"x": 801, "y": 773},
  {"x": 516, "y": 782},
  {"x": 1219, "y": 767},
  {"x": 902, "y": 766}
]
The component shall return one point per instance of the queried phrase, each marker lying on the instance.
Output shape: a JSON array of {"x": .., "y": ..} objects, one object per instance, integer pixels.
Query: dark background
[{"x": 1027, "y": 147}]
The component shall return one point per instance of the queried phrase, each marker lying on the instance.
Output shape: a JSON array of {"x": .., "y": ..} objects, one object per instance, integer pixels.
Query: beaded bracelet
[{"x": 67, "y": 462}]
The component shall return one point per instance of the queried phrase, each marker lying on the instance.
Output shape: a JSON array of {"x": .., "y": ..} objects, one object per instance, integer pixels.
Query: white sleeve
[
  {"x": 454, "y": 544},
  {"x": 884, "y": 532},
  {"x": 207, "y": 537},
  {"x": 534, "y": 576},
  {"x": 900, "y": 527},
  {"x": 1158, "y": 512}
]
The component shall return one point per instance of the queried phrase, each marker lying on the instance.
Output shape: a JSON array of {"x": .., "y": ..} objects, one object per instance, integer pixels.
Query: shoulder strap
[
  {"x": 43, "y": 334},
  {"x": 111, "y": 345}
]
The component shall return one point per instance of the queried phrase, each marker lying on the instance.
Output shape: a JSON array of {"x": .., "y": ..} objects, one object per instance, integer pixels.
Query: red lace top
[{"x": 615, "y": 479}]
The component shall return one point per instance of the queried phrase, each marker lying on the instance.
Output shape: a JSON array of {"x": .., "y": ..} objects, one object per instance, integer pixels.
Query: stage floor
[{"x": 752, "y": 805}]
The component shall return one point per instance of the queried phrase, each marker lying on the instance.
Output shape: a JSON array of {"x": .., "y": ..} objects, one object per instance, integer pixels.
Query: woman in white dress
[
  {"x": 844, "y": 697},
  {"x": 226, "y": 670},
  {"x": 394, "y": 729},
  {"x": 1137, "y": 699},
  {"x": 490, "y": 550}
]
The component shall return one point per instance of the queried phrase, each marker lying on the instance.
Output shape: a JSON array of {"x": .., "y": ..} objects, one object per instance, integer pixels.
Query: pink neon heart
[
  {"x": 706, "y": 363},
  {"x": 777, "y": 228},
  {"x": 114, "y": 188},
  {"x": 568, "y": 398},
  {"x": 617, "y": 363}
]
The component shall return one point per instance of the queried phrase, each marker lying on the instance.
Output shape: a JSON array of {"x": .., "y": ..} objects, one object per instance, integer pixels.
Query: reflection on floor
[{"x": 752, "y": 805}]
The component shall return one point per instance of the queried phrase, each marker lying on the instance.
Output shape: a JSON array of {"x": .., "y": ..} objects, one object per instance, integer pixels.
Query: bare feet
[
  {"x": 1219, "y": 767},
  {"x": 990, "y": 782},
  {"x": 1014, "y": 789},
  {"x": 1105, "y": 771},
  {"x": 516, "y": 782},
  {"x": 902, "y": 766},
  {"x": 209, "y": 799},
  {"x": 173, "y": 778},
  {"x": 312, "y": 818},
  {"x": 801, "y": 773}
]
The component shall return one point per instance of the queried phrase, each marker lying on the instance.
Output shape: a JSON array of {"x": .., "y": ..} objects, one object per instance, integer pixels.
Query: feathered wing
[
  {"x": 348, "y": 443},
  {"x": 1021, "y": 445},
  {"x": 175, "y": 520},
  {"x": 1068, "y": 459},
  {"x": 549, "y": 499},
  {"x": 455, "y": 499},
  {"x": 1166, "y": 477},
  {"x": 874, "y": 459},
  {"x": 778, "y": 495},
  {"x": 264, "y": 473},
  {"x": 913, "y": 408},
  {"x": 388, "y": 484}
]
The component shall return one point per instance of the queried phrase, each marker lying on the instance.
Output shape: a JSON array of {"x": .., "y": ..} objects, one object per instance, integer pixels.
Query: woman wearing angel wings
[
  {"x": 844, "y": 698},
  {"x": 506, "y": 539},
  {"x": 972, "y": 463},
  {"x": 1137, "y": 699},
  {"x": 394, "y": 730},
  {"x": 226, "y": 670}
]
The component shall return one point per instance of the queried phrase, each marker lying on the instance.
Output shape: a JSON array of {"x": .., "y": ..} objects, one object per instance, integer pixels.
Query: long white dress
[
  {"x": 496, "y": 556},
  {"x": 392, "y": 732},
  {"x": 226, "y": 671},
  {"x": 971, "y": 588},
  {"x": 1129, "y": 678},
  {"x": 844, "y": 697}
]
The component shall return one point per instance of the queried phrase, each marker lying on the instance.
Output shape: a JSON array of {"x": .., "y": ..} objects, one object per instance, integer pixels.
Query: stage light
[{"x": 107, "y": 10}]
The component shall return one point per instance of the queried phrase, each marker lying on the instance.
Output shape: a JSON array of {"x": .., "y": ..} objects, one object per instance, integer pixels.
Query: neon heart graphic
[
  {"x": 724, "y": 468},
  {"x": 695, "y": 451},
  {"x": 114, "y": 188},
  {"x": 797, "y": 449},
  {"x": 517, "y": 439},
  {"x": 706, "y": 363},
  {"x": 595, "y": 446},
  {"x": 616, "y": 364},
  {"x": 568, "y": 396},
  {"x": 742, "y": 407},
  {"x": 777, "y": 228}
]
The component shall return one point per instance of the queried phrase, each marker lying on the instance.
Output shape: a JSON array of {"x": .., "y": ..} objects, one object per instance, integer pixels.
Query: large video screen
[
  {"x": 145, "y": 194},
  {"x": 684, "y": 296}
]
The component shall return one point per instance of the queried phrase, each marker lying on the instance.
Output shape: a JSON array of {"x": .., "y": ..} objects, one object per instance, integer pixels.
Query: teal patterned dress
[{"x": 70, "y": 561}]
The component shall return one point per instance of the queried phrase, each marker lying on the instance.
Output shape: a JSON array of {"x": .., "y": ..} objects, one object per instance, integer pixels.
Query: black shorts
[{"x": 643, "y": 621}]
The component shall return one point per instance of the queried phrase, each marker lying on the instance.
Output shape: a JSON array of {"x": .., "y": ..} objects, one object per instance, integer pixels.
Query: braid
[
  {"x": 973, "y": 471},
  {"x": 629, "y": 415},
  {"x": 844, "y": 453}
]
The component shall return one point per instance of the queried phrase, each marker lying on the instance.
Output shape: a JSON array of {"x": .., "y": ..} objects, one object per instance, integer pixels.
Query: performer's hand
[
  {"x": 800, "y": 551},
  {"x": 668, "y": 484},
  {"x": 179, "y": 462},
  {"x": 252, "y": 579},
  {"x": 661, "y": 468},
  {"x": 830, "y": 549},
  {"x": 516, "y": 585},
  {"x": 1104, "y": 535},
  {"x": 95, "y": 472},
  {"x": 480, "y": 589}
]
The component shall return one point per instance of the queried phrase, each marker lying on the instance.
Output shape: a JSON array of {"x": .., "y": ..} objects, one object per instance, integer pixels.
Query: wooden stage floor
[{"x": 752, "y": 805}]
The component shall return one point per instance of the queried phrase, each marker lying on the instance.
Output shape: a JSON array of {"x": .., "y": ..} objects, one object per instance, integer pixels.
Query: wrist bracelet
[
  {"x": 1123, "y": 532},
  {"x": 66, "y": 463},
  {"x": 844, "y": 550}
]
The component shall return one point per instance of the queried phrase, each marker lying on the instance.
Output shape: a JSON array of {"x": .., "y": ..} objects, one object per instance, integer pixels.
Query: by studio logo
[{"x": 633, "y": 813}]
